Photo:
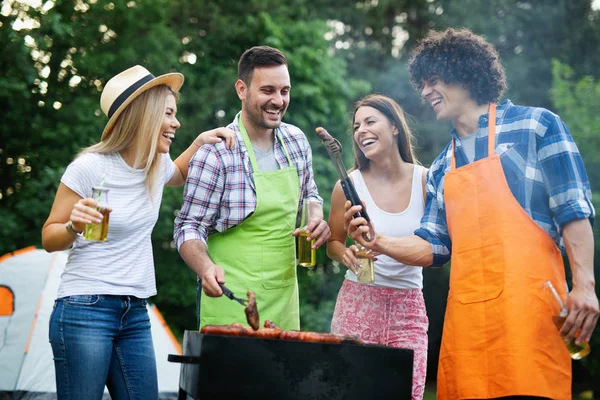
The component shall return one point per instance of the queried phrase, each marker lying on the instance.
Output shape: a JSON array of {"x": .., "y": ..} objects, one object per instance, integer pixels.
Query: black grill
[{"x": 229, "y": 367}]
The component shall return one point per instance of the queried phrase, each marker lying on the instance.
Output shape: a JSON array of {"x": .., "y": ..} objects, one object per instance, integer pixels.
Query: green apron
[{"x": 260, "y": 253}]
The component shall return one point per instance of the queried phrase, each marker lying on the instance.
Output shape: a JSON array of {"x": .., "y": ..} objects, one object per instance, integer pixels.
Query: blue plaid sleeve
[
  {"x": 434, "y": 228},
  {"x": 565, "y": 178}
]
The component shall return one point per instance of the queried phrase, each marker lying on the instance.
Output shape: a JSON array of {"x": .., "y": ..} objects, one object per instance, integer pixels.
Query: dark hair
[
  {"x": 459, "y": 57},
  {"x": 258, "y": 56},
  {"x": 394, "y": 113}
]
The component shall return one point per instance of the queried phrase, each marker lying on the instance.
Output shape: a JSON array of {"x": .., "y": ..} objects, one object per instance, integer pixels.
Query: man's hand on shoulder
[{"x": 216, "y": 135}]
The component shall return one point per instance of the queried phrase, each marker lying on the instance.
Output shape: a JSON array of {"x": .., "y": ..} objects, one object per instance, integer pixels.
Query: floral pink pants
[{"x": 387, "y": 317}]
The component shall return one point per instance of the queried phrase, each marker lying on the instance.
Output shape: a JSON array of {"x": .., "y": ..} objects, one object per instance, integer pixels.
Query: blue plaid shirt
[{"x": 542, "y": 165}]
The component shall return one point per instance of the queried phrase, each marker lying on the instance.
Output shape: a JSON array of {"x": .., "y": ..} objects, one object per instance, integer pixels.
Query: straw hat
[{"x": 123, "y": 88}]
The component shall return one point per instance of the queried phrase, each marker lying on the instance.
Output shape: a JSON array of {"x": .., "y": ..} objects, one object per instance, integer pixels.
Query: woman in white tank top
[{"x": 391, "y": 311}]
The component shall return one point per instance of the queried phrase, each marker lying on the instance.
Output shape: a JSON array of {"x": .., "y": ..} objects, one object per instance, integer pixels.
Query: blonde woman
[
  {"x": 100, "y": 329},
  {"x": 391, "y": 311}
]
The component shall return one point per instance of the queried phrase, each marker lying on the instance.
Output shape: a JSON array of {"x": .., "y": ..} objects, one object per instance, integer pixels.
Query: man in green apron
[{"x": 238, "y": 219}]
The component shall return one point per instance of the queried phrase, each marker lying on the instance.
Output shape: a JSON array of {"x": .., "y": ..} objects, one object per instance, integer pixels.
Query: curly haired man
[{"x": 505, "y": 197}]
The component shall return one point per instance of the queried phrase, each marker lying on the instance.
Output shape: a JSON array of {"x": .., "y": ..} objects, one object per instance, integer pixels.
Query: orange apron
[{"x": 498, "y": 339}]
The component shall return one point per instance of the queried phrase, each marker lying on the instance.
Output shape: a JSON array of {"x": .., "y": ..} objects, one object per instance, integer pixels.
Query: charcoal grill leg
[
  {"x": 182, "y": 395},
  {"x": 198, "y": 297}
]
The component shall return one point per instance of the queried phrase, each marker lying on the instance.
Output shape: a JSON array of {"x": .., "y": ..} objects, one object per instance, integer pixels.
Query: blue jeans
[{"x": 100, "y": 340}]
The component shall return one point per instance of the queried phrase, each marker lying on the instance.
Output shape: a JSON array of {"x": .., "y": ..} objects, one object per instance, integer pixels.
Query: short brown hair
[{"x": 258, "y": 56}]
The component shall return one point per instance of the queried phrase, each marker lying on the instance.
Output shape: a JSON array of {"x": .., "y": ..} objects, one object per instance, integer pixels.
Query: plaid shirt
[
  {"x": 542, "y": 165},
  {"x": 219, "y": 192}
]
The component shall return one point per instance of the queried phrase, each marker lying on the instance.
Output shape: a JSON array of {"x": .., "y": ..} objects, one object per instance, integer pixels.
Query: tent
[{"x": 29, "y": 281}]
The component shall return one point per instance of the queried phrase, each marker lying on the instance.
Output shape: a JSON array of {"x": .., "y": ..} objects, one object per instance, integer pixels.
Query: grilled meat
[
  {"x": 237, "y": 329},
  {"x": 270, "y": 324},
  {"x": 252, "y": 311}
]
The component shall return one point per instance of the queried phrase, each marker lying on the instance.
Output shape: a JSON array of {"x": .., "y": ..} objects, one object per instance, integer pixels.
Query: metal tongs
[
  {"x": 334, "y": 149},
  {"x": 229, "y": 293}
]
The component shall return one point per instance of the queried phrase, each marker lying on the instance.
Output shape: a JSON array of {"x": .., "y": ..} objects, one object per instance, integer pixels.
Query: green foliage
[
  {"x": 48, "y": 118},
  {"x": 56, "y": 72},
  {"x": 217, "y": 35},
  {"x": 586, "y": 372},
  {"x": 337, "y": 52},
  {"x": 578, "y": 100},
  {"x": 528, "y": 35},
  {"x": 579, "y": 105},
  {"x": 318, "y": 290}
]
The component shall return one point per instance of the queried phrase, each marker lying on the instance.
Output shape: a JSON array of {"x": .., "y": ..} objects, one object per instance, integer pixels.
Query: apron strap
[
  {"x": 491, "y": 136},
  {"x": 452, "y": 160},
  {"x": 250, "y": 150},
  {"x": 492, "y": 129},
  {"x": 285, "y": 150}
]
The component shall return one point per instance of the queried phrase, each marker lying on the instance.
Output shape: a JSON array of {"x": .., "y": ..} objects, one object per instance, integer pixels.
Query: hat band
[{"x": 128, "y": 92}]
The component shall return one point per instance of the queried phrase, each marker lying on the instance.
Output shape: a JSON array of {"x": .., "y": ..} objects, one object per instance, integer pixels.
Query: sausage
[
  {"x": 237, "y": 329},
  {"x": 252, "y": 311},
  {"x": 322, "y": 338},
  {"x": 228, "y": 330},
  {"x": 270, "y": 324},
  {"x": 316, "y": 337},
  {"x": 294, "y": 335},
  {"x": 265, "y": 333},
  {"x": 352, "y": 339}
]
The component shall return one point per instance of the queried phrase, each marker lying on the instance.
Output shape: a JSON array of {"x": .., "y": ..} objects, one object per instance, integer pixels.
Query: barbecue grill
[{"x": 232, "y": 367}]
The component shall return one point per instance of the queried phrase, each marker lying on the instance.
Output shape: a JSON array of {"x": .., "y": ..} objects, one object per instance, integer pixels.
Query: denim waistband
[{"x": 107, "y": 296}]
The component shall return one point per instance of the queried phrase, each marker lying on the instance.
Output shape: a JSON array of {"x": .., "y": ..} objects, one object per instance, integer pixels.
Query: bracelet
[{"x": 69, "y": 228}]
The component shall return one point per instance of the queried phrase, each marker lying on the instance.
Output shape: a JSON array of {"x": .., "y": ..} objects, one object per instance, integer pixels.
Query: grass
[{"x": 429, "y": 394}]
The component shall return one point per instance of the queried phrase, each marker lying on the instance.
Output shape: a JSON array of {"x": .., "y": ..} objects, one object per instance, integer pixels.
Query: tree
[
  {"x": 215, "y": 37},
  {"x": 578, "y": 102},
  {"x": 53, "y": 72},
  {"x": 528, "y": 34},
  {"x": 57, "y": 57},
  {"x": 63, "y": 53}
]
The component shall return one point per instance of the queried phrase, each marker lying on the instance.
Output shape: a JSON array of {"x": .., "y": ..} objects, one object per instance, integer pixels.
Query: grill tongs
[
  {"x": 334, "y": 149},
  {"x": 229, "y": 293}
]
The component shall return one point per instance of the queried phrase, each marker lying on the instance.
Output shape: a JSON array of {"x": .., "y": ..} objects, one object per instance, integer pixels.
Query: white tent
[{"x": 29, "y": 281}]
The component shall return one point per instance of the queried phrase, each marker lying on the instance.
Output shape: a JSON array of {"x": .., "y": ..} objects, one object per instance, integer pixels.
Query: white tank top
[{"x": 389, "y": 272}]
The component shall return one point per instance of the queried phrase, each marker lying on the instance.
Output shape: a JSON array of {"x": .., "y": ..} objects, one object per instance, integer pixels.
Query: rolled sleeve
[
  {"x": 310, "y": 186},
  {"x": 441, "y": 253},
  {"x": 574, "y": 210},
  {"x": 565, "y": 178},
  {"x": 201, "y": 197}
]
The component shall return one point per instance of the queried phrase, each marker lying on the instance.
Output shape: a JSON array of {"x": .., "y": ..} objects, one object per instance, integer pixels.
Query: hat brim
[{"x": 173, "y": 80}]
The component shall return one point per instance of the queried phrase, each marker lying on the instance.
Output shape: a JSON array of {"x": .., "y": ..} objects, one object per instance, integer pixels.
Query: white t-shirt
[
  {"x": 468, "y": 144},
  {"x": 389, "y": 272},
  {"x": 123, "y": 264}
]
